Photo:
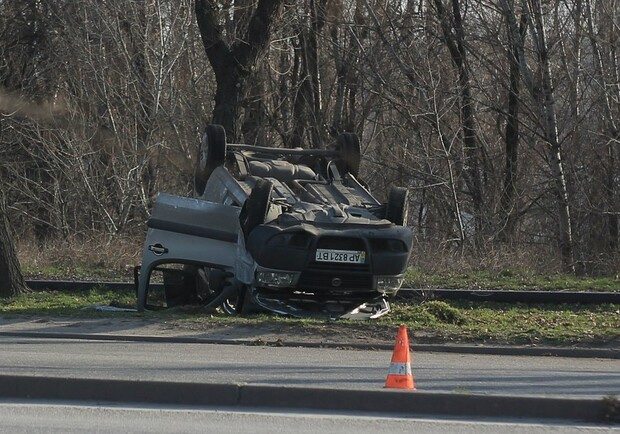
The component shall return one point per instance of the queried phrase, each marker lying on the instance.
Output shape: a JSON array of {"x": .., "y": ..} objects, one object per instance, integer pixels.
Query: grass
[
  {"x": 69, "y": 303},
  {"x": 80, "y": 272},
  {"x": 500, "y": 279},
  {"x": 433, "y": 320},
  {"x": 430, "y": 320},
  {"x": 510, "y": 280},
  {"x": 513, "y": 323},
  {"x": 415, "y": 278}
]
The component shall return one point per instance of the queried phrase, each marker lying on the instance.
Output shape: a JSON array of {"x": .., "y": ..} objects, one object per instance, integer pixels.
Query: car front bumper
[
  {"x": 337, "y": 283},
  {"x": 375, "y": 258}
]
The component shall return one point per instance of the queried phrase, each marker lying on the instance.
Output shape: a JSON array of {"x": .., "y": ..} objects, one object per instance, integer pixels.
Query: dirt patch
[
  {"x": 274, "y": 331},
  {"x": 259, "y": 332},
  {"x": 346, "y": 335}
]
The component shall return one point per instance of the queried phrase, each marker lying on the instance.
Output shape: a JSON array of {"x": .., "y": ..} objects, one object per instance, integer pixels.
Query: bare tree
[
  {"x": 550, "y": 131},
  {"x": 118, "y": 122},
  {"x": 11, "y": 278},
  {"x": 608, "y": 86},
  {"x": 517, "y": 130},
  {"x": 233, "y": 62},
  {"x": 308, "y": 104},
  {"x": 454, "y": 37},
  {"x": 508, "y": 204},
  {"x": 541, "y": 89},
  {"x": 25, "y": 73}
]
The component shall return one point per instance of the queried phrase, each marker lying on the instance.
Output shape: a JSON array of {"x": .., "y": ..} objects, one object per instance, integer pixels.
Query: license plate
[{"x": 341, "y": 256}]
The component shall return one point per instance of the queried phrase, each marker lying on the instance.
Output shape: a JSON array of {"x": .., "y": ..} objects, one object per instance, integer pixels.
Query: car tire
[
  {"x": 211, "y": 154},
  {"x": 397, "y": 208},
  {"x": 348, "y": 147},
  {"x": 235, "y": 305},
  {"x": 217, "y": 283},
  {"x": 201, "y": 277},
  {"x": 255, "y": 209}
]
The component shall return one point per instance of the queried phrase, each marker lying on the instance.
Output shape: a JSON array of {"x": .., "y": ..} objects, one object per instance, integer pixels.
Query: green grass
[
  {"x": 512, "y": 323},
  {"x": 428, "y": 320},
  {"x": 510, "y": 280},
  {"x": 72, "y": 303},
  {"x": 507, "y": 279},
  {"x": 74, "y": 272}
]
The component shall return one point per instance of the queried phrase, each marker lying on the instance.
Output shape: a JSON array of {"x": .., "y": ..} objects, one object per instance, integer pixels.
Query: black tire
[
  {"x": 217, "y": 284},
  {"x": 211, "y": 154},
  {"x": 397, "y": 208},
  {"x": 235, "y": 305},
  {"x": 348, "y": 146},
  {"x": 219, "y": 292},
  {"x": 201, "y": 277},
  {"x": 255, "y": 209}
]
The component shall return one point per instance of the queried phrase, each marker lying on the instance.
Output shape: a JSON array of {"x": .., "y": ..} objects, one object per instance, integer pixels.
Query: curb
[
  {"x": 408, "y": 403},
  {"x": 602, "y": 353}
]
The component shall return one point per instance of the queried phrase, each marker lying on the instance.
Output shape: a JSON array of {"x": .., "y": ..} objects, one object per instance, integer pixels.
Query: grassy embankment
[{"x": 430, "y": 320}]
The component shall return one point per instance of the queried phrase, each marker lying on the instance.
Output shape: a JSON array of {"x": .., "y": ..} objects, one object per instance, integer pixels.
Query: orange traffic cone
[{"x": 400, "y": 375}]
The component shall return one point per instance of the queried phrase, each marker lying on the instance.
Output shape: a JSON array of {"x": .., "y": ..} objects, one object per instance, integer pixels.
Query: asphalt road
[
  {"x": 329, "y": 368},
  {"x": 48, "y": 418},
  {"x": 127, "y": 360}
]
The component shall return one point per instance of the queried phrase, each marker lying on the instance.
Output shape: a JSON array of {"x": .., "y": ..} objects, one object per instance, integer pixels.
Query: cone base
[{"x": 399, "y": 382}]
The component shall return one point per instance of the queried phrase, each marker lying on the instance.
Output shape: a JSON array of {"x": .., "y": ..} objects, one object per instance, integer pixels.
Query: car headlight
[
  {"x": 388, "y": 284},
  {"x": 275, "y": 279}
]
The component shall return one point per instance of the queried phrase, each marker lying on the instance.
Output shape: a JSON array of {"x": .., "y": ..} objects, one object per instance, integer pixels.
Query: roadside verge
[{"x": 603, "y": 353}]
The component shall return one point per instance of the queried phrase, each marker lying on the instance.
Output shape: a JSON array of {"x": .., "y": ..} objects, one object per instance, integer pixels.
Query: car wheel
[
  {"x": 201, "y": 277},
  {"x": 255, "y": 209},
  {"x": 348, "y": 146},
  {"x": 229, "y": 307},
  {"x": 211, "y": 154},
  {"x": 235, "y": 305},
  {"x": 397, "y": 209}
]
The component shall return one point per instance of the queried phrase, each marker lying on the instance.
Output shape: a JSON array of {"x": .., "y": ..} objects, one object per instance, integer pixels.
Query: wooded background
[{"x": 500, "y": 116}]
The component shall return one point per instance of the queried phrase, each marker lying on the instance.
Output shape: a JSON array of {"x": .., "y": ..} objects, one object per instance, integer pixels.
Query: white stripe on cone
[{"x": 400, "y": 369}]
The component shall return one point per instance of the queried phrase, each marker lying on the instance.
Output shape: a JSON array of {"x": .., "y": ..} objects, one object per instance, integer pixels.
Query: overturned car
[{"x": 291, "y": 231}]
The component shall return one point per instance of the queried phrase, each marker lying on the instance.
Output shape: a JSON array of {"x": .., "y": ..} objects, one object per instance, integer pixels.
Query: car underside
[{"x": 291, "y": 231}]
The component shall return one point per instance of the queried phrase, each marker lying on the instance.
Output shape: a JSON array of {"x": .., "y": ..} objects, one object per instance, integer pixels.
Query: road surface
[
  {"x": 48, "y": 418},
  {"x": 315, "y": 367}
]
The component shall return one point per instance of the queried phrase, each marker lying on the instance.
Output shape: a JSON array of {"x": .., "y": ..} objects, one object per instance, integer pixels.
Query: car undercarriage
[{"x": 290, "y": 231}]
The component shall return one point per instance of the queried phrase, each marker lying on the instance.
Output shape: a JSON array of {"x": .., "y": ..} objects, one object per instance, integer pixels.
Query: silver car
[{"x": 291, "y": 231}]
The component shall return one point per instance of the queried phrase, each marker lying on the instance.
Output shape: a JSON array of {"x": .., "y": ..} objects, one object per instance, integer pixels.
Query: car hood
[{"x": 287, "y": 246}]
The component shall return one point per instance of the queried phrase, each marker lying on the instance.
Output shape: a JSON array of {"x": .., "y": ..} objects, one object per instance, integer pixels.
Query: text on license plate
[{"x": 342, "y": 256}]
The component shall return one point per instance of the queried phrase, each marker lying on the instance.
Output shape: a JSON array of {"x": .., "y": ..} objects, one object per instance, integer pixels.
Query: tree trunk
[
  {"x": 542, "y": 93},
  {"x": 11, "y": 279},
  {"x": 550, "y": 129},
  {"x": 611, "y": 126},
  {"x": 308, "y": 101},
  {"x": 454, "y": 37},
  {"x": 509, "y": 207},
  {"x": 233, "y": 65},
  {"x": 301, "y": 82}
]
